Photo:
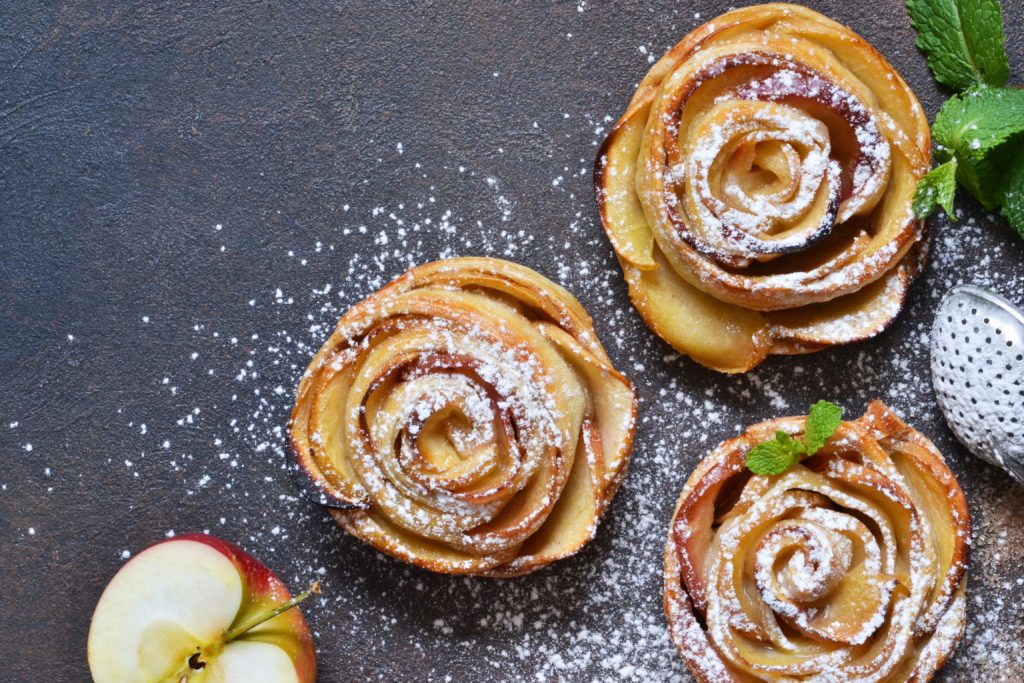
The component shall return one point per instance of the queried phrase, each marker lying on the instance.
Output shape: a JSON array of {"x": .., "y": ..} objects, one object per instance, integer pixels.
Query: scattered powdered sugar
[
  {"x": 598, "y": 616},
  {"x": 593, "y": 617}
]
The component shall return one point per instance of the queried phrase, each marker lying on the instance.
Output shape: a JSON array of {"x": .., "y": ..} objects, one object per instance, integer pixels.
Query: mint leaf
[
  {"x": 786, "y": 441},
  {"x": 963, "y": 40},
  {"x": 971, "y": 126},
  {"x": 1013, "y": 191},
  {"x": 1013, "y": 210},
  {"x": 822, "y": 421},
  {"x": 774, "y": 457},
  {"x": 982, "y": 23},
  {"x": 981, "y": 178},
  {"x": 936, "y": 189},
  {"x": 977, "y": 121}
]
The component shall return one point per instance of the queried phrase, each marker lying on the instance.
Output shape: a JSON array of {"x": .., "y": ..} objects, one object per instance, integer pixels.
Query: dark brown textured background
[{"x": 129, "y": 130}]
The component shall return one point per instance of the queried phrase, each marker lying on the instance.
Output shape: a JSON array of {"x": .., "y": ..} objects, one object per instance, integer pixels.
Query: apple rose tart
[
  {"x": 850, "y": 566},
  {"x": 758, "y": 188},
  {"x": 466, "y": 419}
]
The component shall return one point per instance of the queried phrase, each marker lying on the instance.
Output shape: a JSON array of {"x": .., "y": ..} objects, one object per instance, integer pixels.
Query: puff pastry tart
[
  {"x": 758, "y": 188},
  {"x": 848, "y": 567},
  {"x": 466, "y": 419}
]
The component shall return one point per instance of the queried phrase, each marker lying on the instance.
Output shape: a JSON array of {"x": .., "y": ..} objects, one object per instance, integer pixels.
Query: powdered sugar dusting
[
  {"x": 219, "y": 443},
  {"x": 540, "y": 626}
]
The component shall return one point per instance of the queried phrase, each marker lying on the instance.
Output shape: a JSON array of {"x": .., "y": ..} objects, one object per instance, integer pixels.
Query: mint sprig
[
  {"x": 778, "y": 455},
  {"x": 979, "y": 133}
]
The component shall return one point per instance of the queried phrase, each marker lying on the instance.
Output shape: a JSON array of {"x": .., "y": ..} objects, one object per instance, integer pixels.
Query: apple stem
[
  {"x": 280, "y": 609},
  {"x": 205, "y": 653}
]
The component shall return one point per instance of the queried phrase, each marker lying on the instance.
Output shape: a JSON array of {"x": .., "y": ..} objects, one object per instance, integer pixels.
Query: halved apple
[{"x": 197, "y": 609}]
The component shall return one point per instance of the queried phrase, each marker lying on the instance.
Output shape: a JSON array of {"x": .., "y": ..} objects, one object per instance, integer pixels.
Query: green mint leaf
[
  {"x": 773, "y": 457},
  {"x": 963, "y": 40},
  {"x": 975, "y": 122},
  {"x": 1013, "y": 212},
  {"x": 1013, "y": 190},
  {"x": 981, "y": 178},
  {"x": 786, "y": 441},
  {"x": 973, "y": 125},
  {"x": 982, "y": 22},
  {"x": 822, "y": 421},
  {"x": 936, "y": 189}
]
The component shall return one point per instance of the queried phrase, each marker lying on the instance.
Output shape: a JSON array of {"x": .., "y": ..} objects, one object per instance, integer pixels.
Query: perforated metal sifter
[{"x": 978, "y": 373}]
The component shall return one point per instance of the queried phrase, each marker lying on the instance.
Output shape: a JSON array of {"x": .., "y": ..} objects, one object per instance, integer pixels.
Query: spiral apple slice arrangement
[{"x": 196, "y": 609}]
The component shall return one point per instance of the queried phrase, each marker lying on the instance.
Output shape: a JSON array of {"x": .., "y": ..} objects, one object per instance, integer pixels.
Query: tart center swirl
[{"x": 761, "y": 177}]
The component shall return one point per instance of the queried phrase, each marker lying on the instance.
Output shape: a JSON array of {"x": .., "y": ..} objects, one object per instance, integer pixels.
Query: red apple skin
[{"x": 263, "y": 590}]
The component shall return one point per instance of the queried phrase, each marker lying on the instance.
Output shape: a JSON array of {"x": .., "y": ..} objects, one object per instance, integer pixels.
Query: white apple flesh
[{"x": 198, "y": 609}]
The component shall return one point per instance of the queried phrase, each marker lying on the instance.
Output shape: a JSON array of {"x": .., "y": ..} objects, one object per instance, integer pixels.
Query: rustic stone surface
[{"x": 129, "y": 130}]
